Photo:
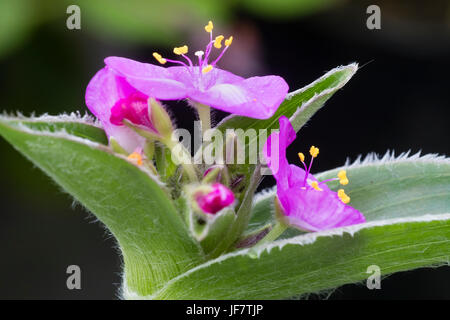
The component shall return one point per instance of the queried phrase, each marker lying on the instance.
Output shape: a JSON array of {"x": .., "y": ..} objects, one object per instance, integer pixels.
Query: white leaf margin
[
  {"x": 64, "y": 117},
  {"x": 63, "y": 134},
  {"x": 352, "y": 67}
]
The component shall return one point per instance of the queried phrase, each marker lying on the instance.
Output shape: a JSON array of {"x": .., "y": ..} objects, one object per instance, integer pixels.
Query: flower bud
[
  {"x": 216, "y": 173},
  {"x": 160, "y": 119},
  {"x": 215, "y": 199}
]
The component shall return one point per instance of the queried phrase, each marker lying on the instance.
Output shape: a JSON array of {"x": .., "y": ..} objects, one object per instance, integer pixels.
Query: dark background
[{"x": 397, "y": 101}]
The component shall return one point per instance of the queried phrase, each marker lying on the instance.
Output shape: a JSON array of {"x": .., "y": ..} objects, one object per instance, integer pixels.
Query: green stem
[
  {"x": 277, "y": 230},
  {"x": 188, "y": 167},
  {"x": 204, "y": 113}
]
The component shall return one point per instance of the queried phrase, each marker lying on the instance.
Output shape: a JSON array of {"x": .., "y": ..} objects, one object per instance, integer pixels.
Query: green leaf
[
  {"x": 406, "y": 201},
  {"x": 164, "y": 164},
  {"x": 83, "y": 127},
  {"x": 317, "y": 261},
  {"x": 299, "y": 106},
  {"x": 216, "y": 229},
  {"x": 403, "y": 186},
  {"x": 382, "y": 188},
  {"x": 155, "y": 242}
]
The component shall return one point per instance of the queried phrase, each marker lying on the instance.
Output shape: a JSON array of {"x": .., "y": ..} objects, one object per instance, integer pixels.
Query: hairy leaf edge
[
  {"x": 64, "y": 117},
  {"x": 353, "y": 67},
  {"x": 63, "y": 134}
]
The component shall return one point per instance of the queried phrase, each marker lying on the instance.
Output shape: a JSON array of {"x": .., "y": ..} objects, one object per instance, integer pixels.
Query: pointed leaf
[
  {"x": 382, "y": 188},
  {"x": 299, "y": 105},
  {"x": 317, "y": 261},
  {"x": 406, "y": 201},
  {"x": 155, "y": 243}
]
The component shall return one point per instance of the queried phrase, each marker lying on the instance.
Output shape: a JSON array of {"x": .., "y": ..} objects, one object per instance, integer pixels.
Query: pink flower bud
[
  {"x": 133, "y": 108},
  {"x": 215, "y": 200}
]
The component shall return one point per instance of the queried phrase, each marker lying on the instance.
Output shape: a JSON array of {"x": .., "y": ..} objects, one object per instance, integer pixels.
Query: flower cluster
[
  {"x": 119, "y": 90},
  {"x": 125, "y": 96}
]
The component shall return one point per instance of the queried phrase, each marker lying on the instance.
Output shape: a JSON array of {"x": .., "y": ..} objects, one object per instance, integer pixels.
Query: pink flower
[
  {"x": 121, "y": 89},
  {"x": 216, "y": 199},
  {"x": 307, "y": 204},
  {"x": 111, "y": 99},
  {"x": 256, "y": 97}
]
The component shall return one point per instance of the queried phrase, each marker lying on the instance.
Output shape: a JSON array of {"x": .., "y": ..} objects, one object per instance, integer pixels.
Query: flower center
[
  {"x": 133, "y": 108},
  {"x": 203, "y": 66},
  {"x": 312, "y": 184}
]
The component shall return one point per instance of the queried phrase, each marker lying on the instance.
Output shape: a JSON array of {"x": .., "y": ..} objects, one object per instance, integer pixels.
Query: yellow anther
[
  {"x": 136, "y": 157},
  {"x": 301, "y": 156},
  {"x": 180, "y": 50},
  {"x": 207, "y": 69},
  {"x": 158, "y": 57},
  {"x": 342, "y": 175},
  {"x": 344, "y": 198},
  {"x": 218, "y": 42},
  {"x": 313, "y": 151},
  {"x": 315, "y": 186},
  {"x": 229, "y": 41},
  {"x": 209, "y": 27}
]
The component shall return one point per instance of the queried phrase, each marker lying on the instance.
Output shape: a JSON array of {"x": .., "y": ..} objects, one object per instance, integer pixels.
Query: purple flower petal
[
  {"x": 102, "y": 93},
  {"x": 304, "y": 207},
  {"x": 154, "y": 81},
  {"x": 313, "y": 210},
  {"x": 275, "y": 153},
  {"x": 257, "y": 97}
]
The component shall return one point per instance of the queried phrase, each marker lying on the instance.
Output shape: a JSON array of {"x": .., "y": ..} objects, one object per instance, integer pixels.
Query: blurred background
[{"x": 397, "y": 101}]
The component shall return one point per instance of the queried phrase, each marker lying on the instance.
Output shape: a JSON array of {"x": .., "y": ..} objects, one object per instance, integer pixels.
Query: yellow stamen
[
  {"x": 218, "y": 42},
  {"x": 301, "y": 156},
  {"x": 344, "y": 198},
  {"x": 315, "y": 185},
  {"x": 229, "y": 41},
  {"x": 313, "y": 151},
  {"x": 180, "y": 50},
  {"x": 342, "y": 175},
  {"x": 136, "y": 157},
  {"x": 209, "y": 27},
  {"x": 158, "y": 57},
  {"x": 207, "y": 69}
]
